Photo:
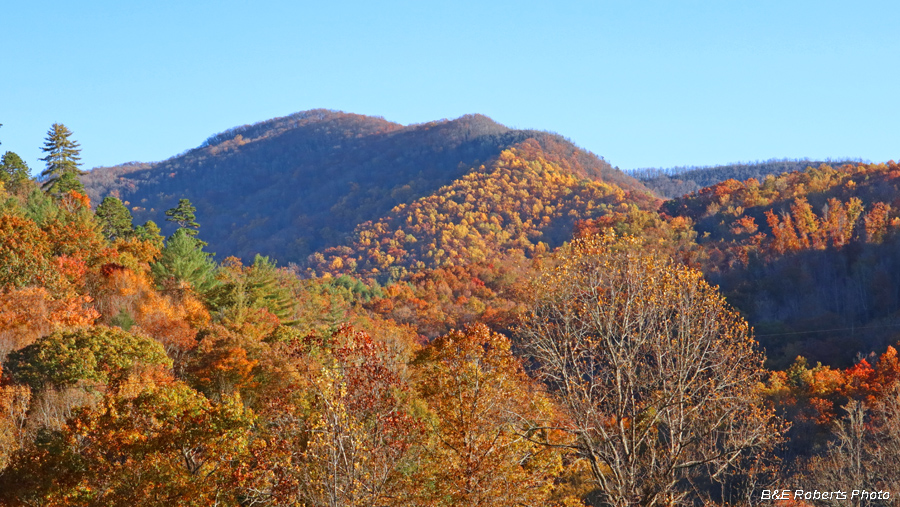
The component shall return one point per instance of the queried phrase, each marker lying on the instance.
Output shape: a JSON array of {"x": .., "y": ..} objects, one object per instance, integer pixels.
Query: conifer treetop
[{"x": 63, "y": 155}]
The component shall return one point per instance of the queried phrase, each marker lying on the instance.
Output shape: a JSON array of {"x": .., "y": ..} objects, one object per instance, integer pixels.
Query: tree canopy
[
  {"x": 115, "y": 218},
  {"x": 183, "y": 261}
]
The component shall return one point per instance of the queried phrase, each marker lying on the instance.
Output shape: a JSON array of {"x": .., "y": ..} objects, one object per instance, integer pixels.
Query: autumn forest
[{"x": 328, "y": 309}]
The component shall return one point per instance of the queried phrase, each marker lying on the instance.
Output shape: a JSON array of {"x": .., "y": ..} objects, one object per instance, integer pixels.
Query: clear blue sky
[{"x": 640, "y": 83}]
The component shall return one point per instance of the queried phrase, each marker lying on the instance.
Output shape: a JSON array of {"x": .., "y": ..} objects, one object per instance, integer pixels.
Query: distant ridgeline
[
  {"x": 809, "y": 257},
  {"x": 293, "y": 186},
  {"x": 677, "y": 181}
]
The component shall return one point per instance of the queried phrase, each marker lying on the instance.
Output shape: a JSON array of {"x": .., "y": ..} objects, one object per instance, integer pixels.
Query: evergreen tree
[
  {"x": 123, "y": 320},
  {"x": 14, "y": 172},
  {"x": 256, "y": 286},
  {"x": 63, "y": 155},
  {"x": 115, "y": 218},
  {"x": 12, "y": 167},
  {"x": 184, "y": 261},
  {"x": 40, "y": 207},
  {"x": 65, "y": 183},
  {"x": 183, "y": 215},
  {"x": 266, "y": 291}
]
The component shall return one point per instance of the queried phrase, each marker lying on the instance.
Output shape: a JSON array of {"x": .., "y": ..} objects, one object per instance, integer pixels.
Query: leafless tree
[
  {"x": 658, "y": 376},
  {"x": 865, "y": 453}
]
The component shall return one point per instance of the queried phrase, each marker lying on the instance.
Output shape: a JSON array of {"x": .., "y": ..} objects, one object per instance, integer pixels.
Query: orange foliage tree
[
  {"x": 14, "y": 402},
  {"x": 483, "y": 411},
  {"x": 23, "y": 252}
]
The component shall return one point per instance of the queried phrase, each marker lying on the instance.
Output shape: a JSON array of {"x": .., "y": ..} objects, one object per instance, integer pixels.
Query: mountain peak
[
  {"x": 295, "y": 185},
  {"x": 281, "y": 124}
]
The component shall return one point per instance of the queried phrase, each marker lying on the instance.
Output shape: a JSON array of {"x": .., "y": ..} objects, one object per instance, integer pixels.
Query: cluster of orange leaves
[
  {"x": 172, "y": 319},
  {"x": 452, "y": 297},
  {"x": 28, "y": 313},
  {"x": 818, "y": 393},
  {"x": 855, "y": 202}
]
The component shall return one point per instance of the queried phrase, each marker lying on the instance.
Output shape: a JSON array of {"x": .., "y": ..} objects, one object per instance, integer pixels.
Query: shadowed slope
[{"x": 291, "y": 186}]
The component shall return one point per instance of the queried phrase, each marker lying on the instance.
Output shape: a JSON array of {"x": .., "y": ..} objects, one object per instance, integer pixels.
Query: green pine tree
[
  {"x": 258, "y": 286},
  {"x": 63, "y": 155},
  {"x": 266, "y": 291},
  {"x": 40, "y": 207},
  {"x": 14, "y": 172},
  {"x": 183, "y": 215},
  {"x": 12, "y": 166},
  {"x": 123, "y": 319},
  {"x": 184, "y": 262},
  {"x": 115, "y": 218}
]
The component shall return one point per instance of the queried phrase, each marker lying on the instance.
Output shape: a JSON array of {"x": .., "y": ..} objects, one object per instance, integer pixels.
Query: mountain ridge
[
  {"x": 298, "y": 184},
  {"x": 674, "y": 182}
]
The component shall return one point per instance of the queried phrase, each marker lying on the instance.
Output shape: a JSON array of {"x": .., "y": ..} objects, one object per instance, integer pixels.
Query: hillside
[
  {"x": 291, "y": 186},
  {"x": 522, "y": 201},
  {"x": 679, "y": 181},
  {"x": 810, "y": 258}
]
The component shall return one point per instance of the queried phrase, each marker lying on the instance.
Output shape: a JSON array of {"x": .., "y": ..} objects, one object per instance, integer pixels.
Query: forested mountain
[
  {"x": 480, "y": 316},
  {"x": 524, "y": 200},
  {"x": 677, "y": 181},
  {"x": 292, "y": 186}
]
